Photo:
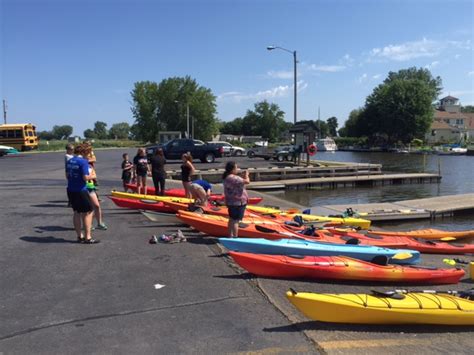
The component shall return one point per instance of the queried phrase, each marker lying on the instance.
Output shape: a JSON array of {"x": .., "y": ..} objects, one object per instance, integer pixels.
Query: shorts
[
  {"x": 142, "y": 173},
  {"x": 80, "y": 201},
  {"x": 126, "y": 177},
  {"x": 198, "y": 193},
  {"x": 236, "y": 213}
]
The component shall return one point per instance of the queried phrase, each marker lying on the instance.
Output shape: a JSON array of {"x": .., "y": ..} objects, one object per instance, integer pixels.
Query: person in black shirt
[
  {"x": 127, "y": 169},
  {"x": 140, "y": 163},
  {"x": 158, "y": 172}
]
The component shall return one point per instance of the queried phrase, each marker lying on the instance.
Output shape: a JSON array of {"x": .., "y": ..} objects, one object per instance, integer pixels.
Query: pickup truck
[{"x": 175, "y": 148}]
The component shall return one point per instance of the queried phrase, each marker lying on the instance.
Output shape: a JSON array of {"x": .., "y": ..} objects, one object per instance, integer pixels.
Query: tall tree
[
  {"x": 332, "y": 126},
  {"x": 400, "y": 108},
  {"x": 119, "y": 130},
  {"x": 100, "y": 130},
  {"x": 164, "y": 106},
  {"x": 353, "y": 127},
  {"x": 267, "y": 120},
  {"x": 232, "y": 127},
  {"x": 89, "y": 134},
  {"x": 61, "y": 132}
]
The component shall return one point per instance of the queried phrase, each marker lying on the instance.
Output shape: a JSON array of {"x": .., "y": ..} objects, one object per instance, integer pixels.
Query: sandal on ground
[
  {"x": 91, "y": 241},
  {"x": 81, "y": 239}
]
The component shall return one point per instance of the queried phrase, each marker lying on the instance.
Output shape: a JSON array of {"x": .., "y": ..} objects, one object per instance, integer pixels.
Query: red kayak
[
  {"x": 422, "y": 245},
  {"x": 148, "y": 205},
  {"x": 150, "y": 190},
  {"x": 342, "y": 268}
]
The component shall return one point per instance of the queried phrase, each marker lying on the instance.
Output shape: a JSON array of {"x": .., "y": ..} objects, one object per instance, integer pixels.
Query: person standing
[
  {"x": 187, "y": 169},
  {"x": 77, "y": 173},
  {"x": 158, "y": 172},
  {"x": 69, "y": 154},
  {"x": 236, "y": 197},
  {"x": 127, "y": 168},
  {"x": 140, "y": 164}
]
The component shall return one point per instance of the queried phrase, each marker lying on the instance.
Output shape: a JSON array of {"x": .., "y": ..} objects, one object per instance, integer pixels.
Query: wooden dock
[
  {"x": 353, "y": 180},
  {"x": 409, "y": 209},
  {"x": 277, "y": 173}
]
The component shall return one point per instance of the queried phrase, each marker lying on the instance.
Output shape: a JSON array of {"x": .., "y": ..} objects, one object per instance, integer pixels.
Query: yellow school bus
[{"x": 21, "y": 136}]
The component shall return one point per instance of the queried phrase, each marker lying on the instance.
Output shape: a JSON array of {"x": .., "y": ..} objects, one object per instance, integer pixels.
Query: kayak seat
[
  {"x": 380, "y": 260},
  {"x": 352, "y": 241}
]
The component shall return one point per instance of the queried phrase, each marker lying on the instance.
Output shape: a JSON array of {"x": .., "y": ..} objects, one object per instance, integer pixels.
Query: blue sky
[{"x": 75, "y": 62}]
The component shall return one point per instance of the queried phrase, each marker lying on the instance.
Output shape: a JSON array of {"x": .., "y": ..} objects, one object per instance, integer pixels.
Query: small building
[{"x": 305, "y": 133}]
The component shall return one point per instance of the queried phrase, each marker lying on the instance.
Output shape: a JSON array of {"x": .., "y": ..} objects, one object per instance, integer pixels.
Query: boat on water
[{"x": 326, "y": 145}]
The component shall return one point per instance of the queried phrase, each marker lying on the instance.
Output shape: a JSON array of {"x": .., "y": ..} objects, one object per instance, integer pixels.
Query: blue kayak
[{"x": 305, "y": 247}]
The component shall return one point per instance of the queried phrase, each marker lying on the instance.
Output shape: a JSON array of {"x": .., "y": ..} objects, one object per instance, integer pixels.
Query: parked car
[
  {"x": 281, "y": 153},
  {"x": 229, "y": 149},
  {"x": 175, "y": 148}
]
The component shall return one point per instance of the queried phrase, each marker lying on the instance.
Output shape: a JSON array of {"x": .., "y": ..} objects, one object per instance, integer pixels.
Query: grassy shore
[{"x": 55, "y": 145}]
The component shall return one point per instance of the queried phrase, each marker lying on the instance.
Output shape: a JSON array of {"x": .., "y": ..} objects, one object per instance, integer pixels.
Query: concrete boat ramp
[{"x": 409, "y": 209}]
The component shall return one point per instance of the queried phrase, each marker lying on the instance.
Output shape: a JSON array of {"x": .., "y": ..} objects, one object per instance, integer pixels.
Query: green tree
[
  {"x": 332, "y": 126},
  {"x": 232, "y": 127},
  {"x": 322, "y": 127},
  {"x": 100, "y": 130},
  {"x": 467, "y": 109},
  {"x": 119, "y": 130},
  {"x": 46, "y": 135},
  {"x": 89, "y": 134},
  {"x": 400, "y": 108},
  {"x": 353, "y": 127},
  {"x": 61, "y": 132},
  {"x": 267, "y": 120},
  {"x": 163, "y": 106}
]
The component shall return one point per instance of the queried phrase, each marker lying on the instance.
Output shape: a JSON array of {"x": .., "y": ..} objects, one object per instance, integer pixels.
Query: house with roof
[{"x": 450, "y": 125}]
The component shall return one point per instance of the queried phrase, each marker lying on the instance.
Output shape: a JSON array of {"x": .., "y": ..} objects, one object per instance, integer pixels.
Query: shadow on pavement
[
  {"x": 376, "y": 328},
  {"x": 243, "y": 276},
  {"x": 54, "y": 228},
  {"x": 46, "y": 205},
  {"x": 201, "y": 240},
  {"x": 49, "y": 239}
]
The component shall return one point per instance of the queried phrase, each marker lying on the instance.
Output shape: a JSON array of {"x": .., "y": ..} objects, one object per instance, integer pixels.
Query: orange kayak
[
  {"x": 258, "y": 227},
  {"x": 427, "y": 234}
]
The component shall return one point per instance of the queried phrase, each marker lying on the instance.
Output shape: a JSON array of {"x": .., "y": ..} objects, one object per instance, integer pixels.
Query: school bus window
[
  {"x": 30, "y": 134},
  {"x": 3, "y": 134},
  {"x": 18, "y": 133}
]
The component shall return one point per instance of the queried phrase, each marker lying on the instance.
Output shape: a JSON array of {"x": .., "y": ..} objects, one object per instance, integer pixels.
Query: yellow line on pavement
[
  {"x": 277, "y": 350},
  {"x": 371, "y": 343}
]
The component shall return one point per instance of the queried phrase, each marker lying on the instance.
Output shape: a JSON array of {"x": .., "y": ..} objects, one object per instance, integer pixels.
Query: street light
[
  {"x": 187, "y": 117},
  {"x": 270, "y": 48}
]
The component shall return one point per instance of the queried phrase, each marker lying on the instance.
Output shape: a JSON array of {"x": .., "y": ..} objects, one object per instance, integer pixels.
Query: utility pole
[
  {"x": 4, "y": 111},
  {"x": 187, "y": 117}
]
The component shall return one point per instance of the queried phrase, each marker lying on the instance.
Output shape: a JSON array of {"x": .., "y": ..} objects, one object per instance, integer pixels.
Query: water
[{"x": 457, "y": 178}]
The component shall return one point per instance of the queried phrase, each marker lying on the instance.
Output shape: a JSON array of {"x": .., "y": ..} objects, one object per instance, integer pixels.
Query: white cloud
[
  {"x": 377, "y": 76},
  {"x": 275, "y": 92},
  {"x": 415, "y": 49},
  {"x": 327, "y": 68},
  {"x": 432, "y": 65},
  {"x": 471, "y": 73},
  {"x": 280, "y": 74},
  {"x": 457, "y": 56},
  {"x": 406, "y": 51},
  {"x": 362, "y": 78}
]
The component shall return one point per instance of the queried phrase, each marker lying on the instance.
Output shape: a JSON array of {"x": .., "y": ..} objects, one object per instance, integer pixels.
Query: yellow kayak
[
  {"x": 349, "y": 221},
  {"x": 414, "y": 308},
  {"x": 152, "y": 197}
]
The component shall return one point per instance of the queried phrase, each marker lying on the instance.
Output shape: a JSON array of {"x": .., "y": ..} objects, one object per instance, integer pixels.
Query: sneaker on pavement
[{"x": 101, "y": 227}]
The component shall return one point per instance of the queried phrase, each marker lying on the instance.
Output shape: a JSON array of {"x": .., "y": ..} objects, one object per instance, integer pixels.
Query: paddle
[{"x": 151, "y": 202}]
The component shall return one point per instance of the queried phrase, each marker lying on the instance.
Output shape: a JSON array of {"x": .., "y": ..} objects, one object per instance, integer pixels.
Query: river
[{"x": 457, "y": 178}]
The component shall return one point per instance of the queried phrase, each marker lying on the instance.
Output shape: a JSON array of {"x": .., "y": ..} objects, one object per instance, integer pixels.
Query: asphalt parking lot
[{"x": 59, "y": 296}]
